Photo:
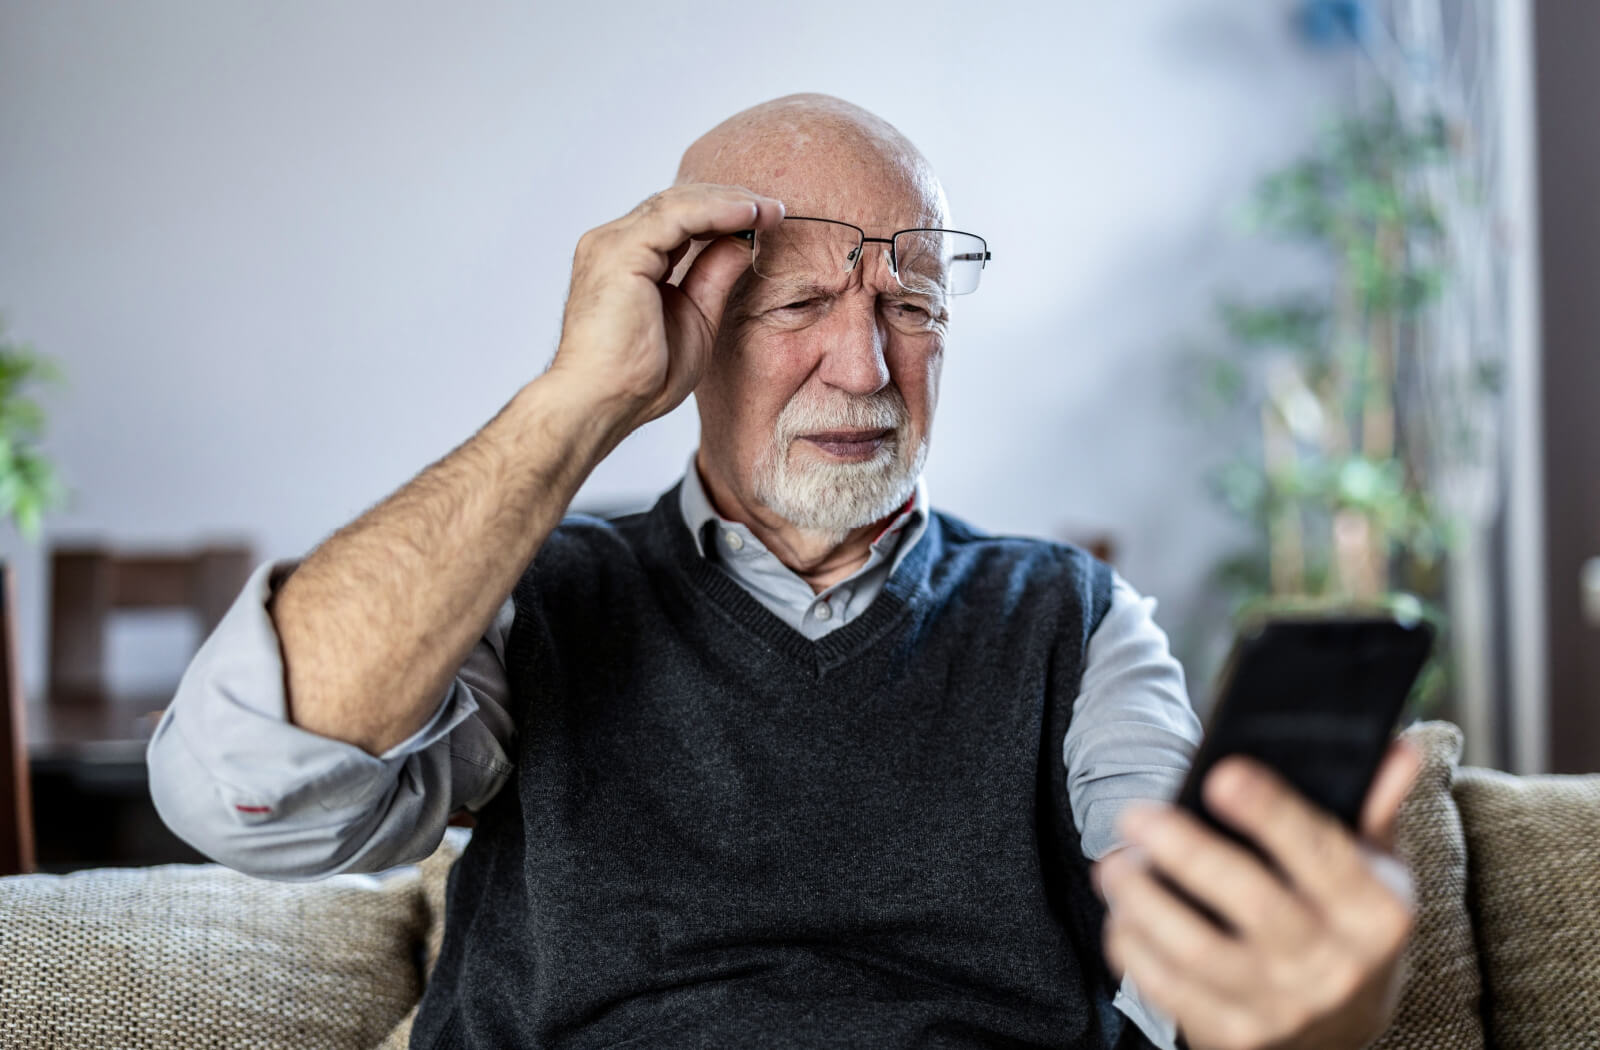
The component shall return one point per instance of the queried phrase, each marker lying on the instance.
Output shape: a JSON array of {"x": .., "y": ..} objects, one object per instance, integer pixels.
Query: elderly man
[{"x": 791, "y": 759}]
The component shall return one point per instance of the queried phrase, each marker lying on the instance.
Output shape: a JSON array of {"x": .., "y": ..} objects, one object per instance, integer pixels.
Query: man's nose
[{"x": 853, "y": 360}]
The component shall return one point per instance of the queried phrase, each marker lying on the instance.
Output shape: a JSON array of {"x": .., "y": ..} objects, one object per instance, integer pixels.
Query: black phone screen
[{"x": 1316, "y": 699}]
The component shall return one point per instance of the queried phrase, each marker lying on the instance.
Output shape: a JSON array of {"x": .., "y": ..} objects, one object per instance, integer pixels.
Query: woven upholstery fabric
[
  {"x": 435, "y": 872},
  {"x": 1439, "y": 1002},
  {"x": 199, "y": 956},
  {"x": 1534, "y": 844}
]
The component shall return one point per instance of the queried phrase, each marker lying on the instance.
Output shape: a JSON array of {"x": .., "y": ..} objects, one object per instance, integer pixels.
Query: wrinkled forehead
[
  {"x": 879, "y": 185},
  {"x": 880, "y": 200}
]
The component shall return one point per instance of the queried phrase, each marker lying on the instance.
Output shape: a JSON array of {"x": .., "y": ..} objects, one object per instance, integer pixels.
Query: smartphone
[{"x": 1316, "y": 697}]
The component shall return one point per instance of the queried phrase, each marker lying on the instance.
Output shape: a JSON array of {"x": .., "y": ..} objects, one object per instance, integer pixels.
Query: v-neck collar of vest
[{"x": 906, "y": 587}]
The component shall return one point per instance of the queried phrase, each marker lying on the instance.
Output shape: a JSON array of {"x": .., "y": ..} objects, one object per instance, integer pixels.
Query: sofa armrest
[
  {"x": 1533, "y": 846},
  {"x": 197, "y": 955},
  {"x": 1439, "y": 1004}
]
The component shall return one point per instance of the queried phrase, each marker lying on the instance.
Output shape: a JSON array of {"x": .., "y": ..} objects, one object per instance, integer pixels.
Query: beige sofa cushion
[
  {"x": 1534, "y": 844},
  {"x": 199, "y": 956},
  {"x": 1439, "y": 1002}
]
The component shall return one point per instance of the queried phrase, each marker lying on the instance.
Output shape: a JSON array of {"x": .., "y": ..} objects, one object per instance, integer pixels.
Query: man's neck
[{"x": 822, "y": 559}]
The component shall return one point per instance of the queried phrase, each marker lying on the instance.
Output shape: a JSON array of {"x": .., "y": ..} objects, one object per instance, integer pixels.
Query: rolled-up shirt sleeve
[{"x": 233, "y": 777}]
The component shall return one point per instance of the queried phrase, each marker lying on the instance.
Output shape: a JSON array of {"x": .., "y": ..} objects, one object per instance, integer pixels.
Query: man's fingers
[
  {"x": 1389, "y": 789},
  {"x": 674, "y": 216},
  {"x": 1189, "y": 941},
  {"x": 1202, "y": 1015},
  {"x": 1218, "y": 873},
  {"x": 1318, "y": 854},
  {"x": 1310, "y": 845}
]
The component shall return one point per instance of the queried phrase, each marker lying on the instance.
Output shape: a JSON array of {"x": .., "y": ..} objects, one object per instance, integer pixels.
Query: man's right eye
[{"x": 801, "y": 304}]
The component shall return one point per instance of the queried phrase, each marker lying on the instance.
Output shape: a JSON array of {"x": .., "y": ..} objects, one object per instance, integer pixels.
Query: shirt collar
[{"x": 698, "y": 513}]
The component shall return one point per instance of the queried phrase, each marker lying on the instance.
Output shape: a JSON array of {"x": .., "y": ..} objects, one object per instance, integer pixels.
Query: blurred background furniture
[
  {"x": 1099, "y": 544},
  {"x": 86, "y": 740},
  {"x": 16, "y": 807},
  {"x": 89, "y": 584},
  {"x": 1508, "y": 916}
]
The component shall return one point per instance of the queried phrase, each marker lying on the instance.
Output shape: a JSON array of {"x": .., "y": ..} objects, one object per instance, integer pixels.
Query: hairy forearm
[{"x": 377, "y": 620}]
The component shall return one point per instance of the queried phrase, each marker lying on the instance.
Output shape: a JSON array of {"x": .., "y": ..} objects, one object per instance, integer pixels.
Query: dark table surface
[
  {"x": 91, "y": 794},
  {"x": 92, "y": 729}
]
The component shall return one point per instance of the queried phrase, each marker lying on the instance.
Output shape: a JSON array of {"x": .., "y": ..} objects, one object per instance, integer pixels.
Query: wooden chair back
[{"x": 91, "y": 583}]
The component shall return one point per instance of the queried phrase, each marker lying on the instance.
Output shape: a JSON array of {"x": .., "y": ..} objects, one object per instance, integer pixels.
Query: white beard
[{"x": 833, "y": 498}]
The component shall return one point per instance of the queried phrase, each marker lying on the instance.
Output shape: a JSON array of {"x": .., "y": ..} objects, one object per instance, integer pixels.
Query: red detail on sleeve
[{"x": 253, "y": 809}]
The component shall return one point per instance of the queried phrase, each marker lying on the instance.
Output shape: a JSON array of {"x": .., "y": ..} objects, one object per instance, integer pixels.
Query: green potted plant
[
  {"x": 28, "y": 483},
  {"x": 1338, "y": 489}
]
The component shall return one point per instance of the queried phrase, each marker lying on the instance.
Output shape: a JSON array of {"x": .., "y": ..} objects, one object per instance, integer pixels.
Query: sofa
[{"x": 1506, "y": 951}]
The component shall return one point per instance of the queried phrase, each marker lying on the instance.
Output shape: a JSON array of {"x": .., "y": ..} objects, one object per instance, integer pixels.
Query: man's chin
[
  {"x": 817, "y": 491},
  {"x": 843, "y": 497}
]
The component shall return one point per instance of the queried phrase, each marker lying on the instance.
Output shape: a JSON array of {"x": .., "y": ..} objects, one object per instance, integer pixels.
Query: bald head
[{"x": 822, "y": 156}]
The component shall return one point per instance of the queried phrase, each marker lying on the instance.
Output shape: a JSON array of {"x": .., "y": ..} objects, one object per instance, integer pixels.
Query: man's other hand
[
  {"x": 632, "y": 337},
  {"x": 1313, "y": 956}
]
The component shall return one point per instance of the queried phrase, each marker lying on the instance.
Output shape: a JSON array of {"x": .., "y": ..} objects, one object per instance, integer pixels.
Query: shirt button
[
  {"x": 823, "y": 612},
  {"x": 734, "y": 542}
]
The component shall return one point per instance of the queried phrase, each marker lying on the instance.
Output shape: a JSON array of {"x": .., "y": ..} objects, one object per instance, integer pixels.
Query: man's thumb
[
  {"x": 1395, "y": 777},
  {"x": 712, "y": 275}
]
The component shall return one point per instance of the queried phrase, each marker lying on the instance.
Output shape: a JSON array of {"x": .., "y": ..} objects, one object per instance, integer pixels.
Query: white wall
[{"x": 290, "y": 253}]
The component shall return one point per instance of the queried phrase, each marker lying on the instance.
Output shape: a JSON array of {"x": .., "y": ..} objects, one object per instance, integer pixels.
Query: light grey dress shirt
[{"x": 233, "y": 777}]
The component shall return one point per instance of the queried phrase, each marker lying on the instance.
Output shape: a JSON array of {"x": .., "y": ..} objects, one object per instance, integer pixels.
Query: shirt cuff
[
  {"x": 231, "y": 713},
  {"x": 1156, "y": 1026}
]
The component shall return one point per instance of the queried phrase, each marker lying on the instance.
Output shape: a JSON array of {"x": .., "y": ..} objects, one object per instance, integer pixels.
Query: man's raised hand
[
  {"x": 631, "y": 338},
  {"x": 1312, "y": 959}
]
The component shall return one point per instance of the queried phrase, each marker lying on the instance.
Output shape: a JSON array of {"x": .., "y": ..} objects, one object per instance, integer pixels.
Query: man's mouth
[{"x": 849, "y": 445}]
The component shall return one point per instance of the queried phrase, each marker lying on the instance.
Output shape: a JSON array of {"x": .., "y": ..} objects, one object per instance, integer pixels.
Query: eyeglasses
[{"x": 923, "y": 261}]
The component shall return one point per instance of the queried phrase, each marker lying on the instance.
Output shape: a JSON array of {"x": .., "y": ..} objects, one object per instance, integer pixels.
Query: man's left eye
[{"x": 913, "y": 312}]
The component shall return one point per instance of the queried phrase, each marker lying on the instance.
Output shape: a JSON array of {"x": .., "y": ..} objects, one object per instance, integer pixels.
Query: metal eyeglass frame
[{"x": 981, "y": 258}]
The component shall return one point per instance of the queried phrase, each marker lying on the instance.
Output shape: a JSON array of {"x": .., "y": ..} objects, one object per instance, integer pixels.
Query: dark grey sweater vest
[{"x": 722, "y": 834}]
